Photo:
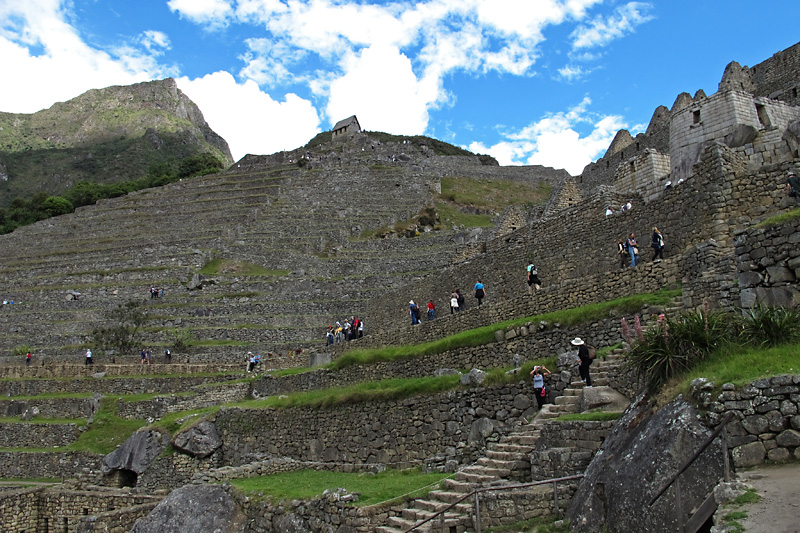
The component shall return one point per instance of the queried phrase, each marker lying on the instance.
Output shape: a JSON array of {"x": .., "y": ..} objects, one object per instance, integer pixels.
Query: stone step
[
  {"x": 481, "y": 470},
  {"x": 455, "y": 485},
  {"x": 474, "y": 477},
  {"x": 436, "y": 506},
  {"x": 568, "y": 400},
  {"x": 445, "y": 496}
]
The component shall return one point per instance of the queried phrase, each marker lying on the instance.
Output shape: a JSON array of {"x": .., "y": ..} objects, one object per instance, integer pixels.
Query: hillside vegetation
[{"x": 109, "y": 135}]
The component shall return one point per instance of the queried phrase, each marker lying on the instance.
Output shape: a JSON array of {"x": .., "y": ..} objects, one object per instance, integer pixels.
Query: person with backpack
[
  {"x": 413, "y": 310},
  {"x": 480, "y": 292},
  {"x": 460, "y": 298},
  {"x": 585, "y": 360},
  {"x": 633, "y": 248},
  {"x": 657, "y": 242},
  {"x": 453, "y": 303},
  {"x": 533, "y": 278}
]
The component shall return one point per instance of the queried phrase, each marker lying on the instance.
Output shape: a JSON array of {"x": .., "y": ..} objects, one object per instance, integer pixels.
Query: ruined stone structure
[
  {"x": 304, "y": 227},
  {"x": 345, "y": 128}
]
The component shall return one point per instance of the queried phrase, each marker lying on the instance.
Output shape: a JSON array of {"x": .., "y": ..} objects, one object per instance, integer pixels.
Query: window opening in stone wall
[
  {"x": 608, "y": 163},
  {"x": 66, "y": 525},
  {"x": 622, "y": 155},
  {"x": 794, "y": 92},
  {"x": 763, "y": 116},
  {"x": 633, "y": 166},
  {"x": 696, "y": 117},
  {"x": 46, "y": 525},
  {"x": 637, "y": 146},
  {"x": 85, "y": 511}
]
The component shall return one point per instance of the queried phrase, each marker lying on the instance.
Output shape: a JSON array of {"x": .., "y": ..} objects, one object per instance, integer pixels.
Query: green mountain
[{"x": 104, "y": 135}]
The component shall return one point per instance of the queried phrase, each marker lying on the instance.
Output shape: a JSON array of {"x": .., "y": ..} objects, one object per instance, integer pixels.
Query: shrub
[
  {"x": 770, "y": 326},
  {"x": 674, "y": 346}
]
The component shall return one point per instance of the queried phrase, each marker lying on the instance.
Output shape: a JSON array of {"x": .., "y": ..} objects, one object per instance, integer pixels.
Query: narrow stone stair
[
  {"x": 505, "y": 462},
  {"x": 567, "y": 403}
]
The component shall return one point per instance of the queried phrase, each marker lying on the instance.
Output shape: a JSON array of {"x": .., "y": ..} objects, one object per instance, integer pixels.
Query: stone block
[
  {"x": 780, "y": 274},
  {"x": 748, "y": 455},
  {"x": 789, "y": 438},
  {"x": 779, "y": 455}
]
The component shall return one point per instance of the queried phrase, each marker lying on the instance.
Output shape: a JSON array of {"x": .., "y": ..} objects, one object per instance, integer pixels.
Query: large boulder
[
  {"x": 194, "y": 508},
  {"x": 646, "y": 448},
  {"x": 138, "y": 452},
  {"x": 200, "y": 440},
  {"x": 602, "y": 399}
]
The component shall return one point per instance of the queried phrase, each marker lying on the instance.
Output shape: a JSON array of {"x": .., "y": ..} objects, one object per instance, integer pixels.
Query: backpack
[
  {"x": 534, "y": 272},
  {"x": 592, "y": 351}
]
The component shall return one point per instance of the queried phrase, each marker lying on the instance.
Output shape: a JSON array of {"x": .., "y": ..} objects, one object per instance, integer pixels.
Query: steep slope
[{"x": 106, "y": 135}]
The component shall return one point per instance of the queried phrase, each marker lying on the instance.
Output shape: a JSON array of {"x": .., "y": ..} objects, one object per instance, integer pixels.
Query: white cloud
[
  {"x": 554, "y": 141},
  {"x": 155, "y": 41},
  {"x": 212, "y": 13},
  {"x": 381, "y": 88},
  {"x": 602, "y": 31},
  {"x": 249, "y": 119},
  {"x": 36, "y": 40}
]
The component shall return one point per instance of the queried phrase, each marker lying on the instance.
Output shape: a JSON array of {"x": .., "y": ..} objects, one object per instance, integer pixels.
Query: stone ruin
[{"x": 726, "y": 155}]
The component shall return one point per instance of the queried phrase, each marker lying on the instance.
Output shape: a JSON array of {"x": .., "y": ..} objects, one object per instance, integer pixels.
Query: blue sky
[{"x": 528, "y": 81}]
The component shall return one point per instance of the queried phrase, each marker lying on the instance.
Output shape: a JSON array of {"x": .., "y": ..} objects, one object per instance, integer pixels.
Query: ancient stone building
[{"x": 345, "y": 128}]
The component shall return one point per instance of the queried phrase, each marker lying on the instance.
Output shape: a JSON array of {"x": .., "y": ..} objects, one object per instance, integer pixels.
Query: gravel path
[{"x": 779, "y": 508}]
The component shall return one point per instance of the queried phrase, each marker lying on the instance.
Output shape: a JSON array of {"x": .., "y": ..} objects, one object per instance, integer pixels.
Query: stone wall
[
  {"x": 777, "y": 76},
  {"x": 399, "y": 433},
  {"x": 32, "y": 435},
  {"x": 645, "y": 175},
  {"x": 204, "y": 397},
  {"x": 767, "y": 417},
  {"x": 117, "y": 521},
  {"x": 57, "y": 465},
  {"x": 566, "y": 448},
  {"x": 19, "y": 510},
  {"x": 768, "y": 265},
  {"x": 129, "y": 385},
  {"x": 717, "y": 117},
  {"x": 61, "y": 509}
]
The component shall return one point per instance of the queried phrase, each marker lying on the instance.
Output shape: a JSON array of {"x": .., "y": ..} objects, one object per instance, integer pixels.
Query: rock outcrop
[
  {"x": 194, "y": 508},
  {"x": 646, "y": 448}
]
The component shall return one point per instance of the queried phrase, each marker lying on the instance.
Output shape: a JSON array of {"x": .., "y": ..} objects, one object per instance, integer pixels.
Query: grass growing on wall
[
  {"x": 485, "y": 334},
  {"x": 107, "y": 431},
  {"x": 740, "y": 366},
  {"x": 780, "y": 219},
  {"x": 372, "y": 488}
]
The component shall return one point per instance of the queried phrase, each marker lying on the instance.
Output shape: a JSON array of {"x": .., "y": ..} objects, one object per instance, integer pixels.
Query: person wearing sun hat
[{"x": 585, "y": 360}]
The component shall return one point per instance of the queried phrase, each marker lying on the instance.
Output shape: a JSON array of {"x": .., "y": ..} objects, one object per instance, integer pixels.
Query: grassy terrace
[
  {"x": 485, "y": 334},
  {"x": 373, "y": 489}
]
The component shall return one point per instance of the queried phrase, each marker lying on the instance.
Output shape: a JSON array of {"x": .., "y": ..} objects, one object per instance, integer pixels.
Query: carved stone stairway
[
  {"x": 506, "y": 461},
  {"x": 567, "y": 403}
]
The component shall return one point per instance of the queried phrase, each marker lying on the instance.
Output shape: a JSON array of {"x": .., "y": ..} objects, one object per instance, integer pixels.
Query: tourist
[
  {"x": 144, "y": 357},
  {"x": 431, "y": 310},
  {"x": 533, "y": 277},
  {"x": 167, "y": 356},
  {"x": 88, "y": 358},
  {"x": 413, "y": 310},
  {"x": 251, "y": 361},
  {"x": 461, "y": 301},
  {"x": 149, "y": 355},
  {"x": 633, "y": 248},
  {"x": 657, "y": 242},
  {"x": 539, "y": 372},
  {"x": 628, "y": 206},
  {"x": 793, "y": 186},
  {"x": 360, "y": 328},
  {"x": 585, "y": 361},
  {"x": 453, "y": 302},
  {"x": 622, "y": 252},
  {"x": 329, "y": 335},
  {"x": 609, "y": 211},
  {"x": 28, "y": 359},
  {"x": 480, "y": 292}
]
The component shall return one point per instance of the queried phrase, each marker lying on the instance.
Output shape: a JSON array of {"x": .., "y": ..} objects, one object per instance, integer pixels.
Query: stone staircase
[
  {"x": 567, "y": 402},
  {"x": 506, "y": 461}
]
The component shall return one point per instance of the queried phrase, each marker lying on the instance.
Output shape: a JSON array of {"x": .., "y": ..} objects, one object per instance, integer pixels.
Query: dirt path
[{"x": 779, "y": 508}]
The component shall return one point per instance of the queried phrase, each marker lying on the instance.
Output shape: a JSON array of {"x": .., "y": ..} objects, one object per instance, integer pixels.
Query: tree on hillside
[{"x": 122, "y": 332}]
